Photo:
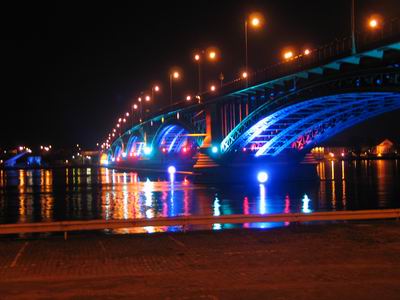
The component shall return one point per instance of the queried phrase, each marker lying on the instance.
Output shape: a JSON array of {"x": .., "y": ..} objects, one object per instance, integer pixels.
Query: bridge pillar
[{"x": 213, "y": 130}]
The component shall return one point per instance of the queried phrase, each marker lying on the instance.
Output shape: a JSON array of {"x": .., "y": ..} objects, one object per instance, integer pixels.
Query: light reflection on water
[{"x": 77, "y": 194}]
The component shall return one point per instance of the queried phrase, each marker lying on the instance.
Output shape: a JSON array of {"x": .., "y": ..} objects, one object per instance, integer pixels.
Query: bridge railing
[{"x": 366, "y": 40}]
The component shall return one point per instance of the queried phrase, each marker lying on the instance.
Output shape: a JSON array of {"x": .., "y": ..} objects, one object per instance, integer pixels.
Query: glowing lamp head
[
  {"x": 135, "y": 106},
  {"x": 262, "y": 177},
  {"x": 212, "y": 88},
  {"x": 119, "y": 120},
  {"x": 118, "y": 125},
  {"x": 255, "y": 22},
  {"x": 244, "y": 75},
  {"x": 124, "y": 120},
  {"x": 288, "y": 55},
  {"x": 212, "y": 55},
  {"x": 175, "y": 75},
  {"x": 214, "y": 149},
  {"x": 156, "y": 88},
  {"x": 127, "y": 114},
  {"x": 147, "y": 98},
  {"x": 373, "y": 23},
  {"x": 307, "y": 52},
  {"x": 188, "y": 98},
  {"x": 196, "y": 57},
  {"x": 171, "y": 170}
]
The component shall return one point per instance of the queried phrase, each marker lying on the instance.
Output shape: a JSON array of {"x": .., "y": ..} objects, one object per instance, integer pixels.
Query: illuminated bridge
[{"x": 278, "y": 114}]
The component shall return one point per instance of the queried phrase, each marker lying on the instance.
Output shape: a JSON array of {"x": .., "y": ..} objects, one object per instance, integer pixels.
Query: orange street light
[
  {"x": 147, "y": 98},
  {"x": 244, "y": 75},
  {"x": 288, "y": 55},
  {"x": 373, "y": 23},
  {"x": 173, "y": 75},
  {"x": 212, "y": 88},
  {"x": 307, "y": 52},
  {"x": 188, "y": 98},
  {"x": 212, "y": 55}
]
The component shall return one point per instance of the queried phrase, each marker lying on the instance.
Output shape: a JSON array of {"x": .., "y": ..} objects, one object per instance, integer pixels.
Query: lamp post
[
  {"x": 173, "y": 75},
  {"x": 154, "y": 89},
  {"x": 211, "y": 55},
  {"x": 255, "y": 21},
  {"x": 353, "y": 28}
]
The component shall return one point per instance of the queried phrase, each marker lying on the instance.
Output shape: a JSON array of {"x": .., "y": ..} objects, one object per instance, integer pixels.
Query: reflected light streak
[
  {"x": 246, "y": 210},
  {"x": 306, "y": 204},
  {"x": 287, "y": 208},
  {"x": 216, "y": 212},
  {"x": 263, "y": 203}
]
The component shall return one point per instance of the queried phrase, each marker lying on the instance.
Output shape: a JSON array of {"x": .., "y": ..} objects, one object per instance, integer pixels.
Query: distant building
[{"x": 384, "y": 148}]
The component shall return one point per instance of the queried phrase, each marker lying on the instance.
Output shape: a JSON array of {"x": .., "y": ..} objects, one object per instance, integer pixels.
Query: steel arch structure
[
  {"x": 303, "y": 124},
  {"x": 268, "y": 125}
]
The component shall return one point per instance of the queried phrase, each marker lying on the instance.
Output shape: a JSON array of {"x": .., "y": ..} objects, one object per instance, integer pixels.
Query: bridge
[{"x": 276, "y": 114}]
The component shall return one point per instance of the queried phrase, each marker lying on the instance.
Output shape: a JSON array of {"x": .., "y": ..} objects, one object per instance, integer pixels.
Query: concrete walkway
[{"x": 336, "y": 261}]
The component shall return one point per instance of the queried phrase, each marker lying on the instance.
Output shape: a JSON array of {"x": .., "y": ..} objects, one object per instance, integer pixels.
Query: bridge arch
[
  {"x": 175, "y": 137},
  {"x": 301, "y": 125},
  {"x": 117, "y": 150}
]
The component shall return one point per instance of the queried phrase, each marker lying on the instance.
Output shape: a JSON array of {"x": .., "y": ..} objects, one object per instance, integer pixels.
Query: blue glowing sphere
[
  {"x": 262, "y": 177},
  {"x": 214, "y": 149},
  {"x": 171, "y": 170}
]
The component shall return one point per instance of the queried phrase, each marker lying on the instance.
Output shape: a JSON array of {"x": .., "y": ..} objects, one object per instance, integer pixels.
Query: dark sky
[{"x": 70, "y": 69}]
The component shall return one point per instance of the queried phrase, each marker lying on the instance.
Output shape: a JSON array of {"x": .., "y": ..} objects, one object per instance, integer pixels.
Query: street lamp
[
  {"x": 211, "y": 54},
  {"x": 255, "y": 20},
  {"x": 373, "y": 23},
  {"x": 288, "y": 55},
  {"x": 174, "y": 75},
  {"x": 154, "y": 89}
]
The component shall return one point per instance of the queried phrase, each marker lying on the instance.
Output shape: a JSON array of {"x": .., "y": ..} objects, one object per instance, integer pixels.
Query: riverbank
[{"x": 333, "y": 261}]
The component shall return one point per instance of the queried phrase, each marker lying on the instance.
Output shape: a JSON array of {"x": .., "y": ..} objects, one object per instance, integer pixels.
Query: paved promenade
[{"x": 338, "y": 261}]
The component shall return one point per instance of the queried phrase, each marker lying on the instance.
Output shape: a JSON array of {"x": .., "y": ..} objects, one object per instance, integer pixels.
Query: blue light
[
  {"x": 147, "y": 150},
  {"x": 214, "y": 149},
  {"x": 306, "y": 204},
  {"x": 171, "y": 170},
  {"x": 262, "y": 177},
  {"x": 123, "y": 154}
]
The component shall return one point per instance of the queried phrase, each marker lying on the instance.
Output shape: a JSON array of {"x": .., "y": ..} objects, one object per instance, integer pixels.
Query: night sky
[{"x": 70, "y": 69}]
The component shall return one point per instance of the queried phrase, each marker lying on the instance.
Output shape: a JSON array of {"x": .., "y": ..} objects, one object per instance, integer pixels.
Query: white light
[
  {"x": 262, "y": 177},
  {"x": 171, "y": 170},
  {"x": 214, "y": 149},
  {"x": 147, "y": 150}
]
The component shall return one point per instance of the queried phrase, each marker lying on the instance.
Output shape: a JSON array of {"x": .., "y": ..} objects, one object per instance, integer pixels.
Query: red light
[
  {"x": 184, "y": 149},
  {"x": 163, "y": 150}
]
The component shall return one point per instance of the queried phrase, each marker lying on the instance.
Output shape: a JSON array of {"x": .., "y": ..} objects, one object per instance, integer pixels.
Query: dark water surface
[{"x": 85, "y": 194}]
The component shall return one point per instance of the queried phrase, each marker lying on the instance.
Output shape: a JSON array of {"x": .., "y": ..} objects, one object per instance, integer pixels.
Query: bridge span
[{"x": 274, "y": 116}]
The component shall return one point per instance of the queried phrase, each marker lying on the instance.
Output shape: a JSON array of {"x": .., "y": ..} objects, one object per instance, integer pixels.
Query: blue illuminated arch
[
  {"x": 303, "y": 124},
  {"x": 172, "y": 138}
]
